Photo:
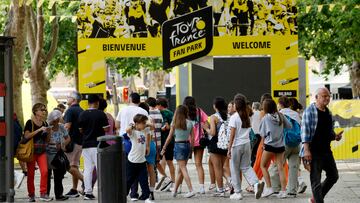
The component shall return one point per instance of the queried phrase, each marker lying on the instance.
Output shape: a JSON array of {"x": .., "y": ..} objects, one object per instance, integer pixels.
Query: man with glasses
[
  {"x": 317, "y": 132},
  {"x": 74, "y": 148}
]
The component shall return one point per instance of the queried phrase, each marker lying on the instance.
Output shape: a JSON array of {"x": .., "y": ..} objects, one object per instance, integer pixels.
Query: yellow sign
[
  {"x": 132, "y": 28},
  {"x": 187, "y": 49}
]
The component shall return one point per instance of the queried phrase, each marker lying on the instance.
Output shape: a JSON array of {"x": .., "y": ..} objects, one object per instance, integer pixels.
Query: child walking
[
  {"x": 136, "y": 166},
  {"x": 239, "y": 150},
  {"x": 182, "y": 130},
  {"x": 271, "y": 129}
]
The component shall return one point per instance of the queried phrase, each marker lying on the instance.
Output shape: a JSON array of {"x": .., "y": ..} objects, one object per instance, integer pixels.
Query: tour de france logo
[{"x": 187, "y": 37}]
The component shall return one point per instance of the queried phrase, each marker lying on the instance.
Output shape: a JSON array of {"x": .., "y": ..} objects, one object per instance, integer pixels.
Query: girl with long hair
[
  {"x": 200, "y": 118},
  {"x": 182, "y": 129},
  {"x": 218, "y": 154},
  {"x": 239, "y": 149},
  {"x": 271, "y": 129}
]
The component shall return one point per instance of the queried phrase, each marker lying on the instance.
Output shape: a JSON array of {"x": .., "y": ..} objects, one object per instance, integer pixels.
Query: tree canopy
[
  {"x": 131, "y": 66},
  {"x": 331, "y": 35}
]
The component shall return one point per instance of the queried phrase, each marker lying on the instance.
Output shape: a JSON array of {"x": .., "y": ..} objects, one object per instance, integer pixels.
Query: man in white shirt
[
  {"x": 122, "y": 122},
  {"x": 126, "y": 115}
]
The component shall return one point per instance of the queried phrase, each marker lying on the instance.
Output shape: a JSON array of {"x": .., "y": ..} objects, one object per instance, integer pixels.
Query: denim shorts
[
  {"x": 182, "y": 151},
  {"x": 150, "y": 159}
]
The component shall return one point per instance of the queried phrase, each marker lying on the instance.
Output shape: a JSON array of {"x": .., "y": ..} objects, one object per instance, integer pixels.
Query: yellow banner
[{"x": 149, "y": 47}]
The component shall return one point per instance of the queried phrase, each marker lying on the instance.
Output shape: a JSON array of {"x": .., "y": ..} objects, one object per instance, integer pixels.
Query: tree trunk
[
  {"x": 39, "y": 59},
  {"x": 354, "y": 71},
  {"x": 131, "y": 85},
  {"x": 39, "y": 84},
  {"x": 15, "y": 28},
  {"x": 157, "y": 82}
]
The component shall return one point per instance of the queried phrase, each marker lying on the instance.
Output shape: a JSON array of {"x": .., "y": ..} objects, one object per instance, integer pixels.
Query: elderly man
[{"x": 317, "y": 132}]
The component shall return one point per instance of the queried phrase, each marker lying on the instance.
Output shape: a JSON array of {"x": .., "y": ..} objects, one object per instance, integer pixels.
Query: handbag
[
  {"x": 69, "y": 147},
  {"x": 204, "y": 139},
  {"x": 60, "y": 161},
  {"x": 25, "y": 149}
]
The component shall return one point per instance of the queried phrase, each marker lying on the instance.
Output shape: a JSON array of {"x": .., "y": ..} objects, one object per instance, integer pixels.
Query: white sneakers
[
  {"x": 189, "y": 194},
  {"x": 258, "y": 189},
  {"x": 302, "y": 187},
  {"x": 212, "y": 187},
  {"x": 149, "y": 201},
  {"x": 202, "y": 190},
  {"x": 236, "y": 196},
  {"x": 282, "y": 195},
  {"x": 219, "y": 194},
  {"x": 267, "y": 192}
]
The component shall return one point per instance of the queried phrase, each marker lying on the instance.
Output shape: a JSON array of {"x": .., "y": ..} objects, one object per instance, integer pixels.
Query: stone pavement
[{"x": 347, "y": 189}]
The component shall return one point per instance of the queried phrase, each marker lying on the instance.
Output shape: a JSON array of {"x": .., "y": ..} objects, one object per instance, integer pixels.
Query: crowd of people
[
  {"x": 263, "y": 142},
  {"x": 144, "y": 18}
]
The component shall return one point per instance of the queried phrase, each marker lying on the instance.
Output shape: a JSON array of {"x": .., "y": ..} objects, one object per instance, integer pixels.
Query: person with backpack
[
  {"x": 292, "y": 139},
  {"x": 271, "y": 129},
  {"x": 239, "y": 150},
  {"x": 199, "y": 117},
  {"x": 219, "y": 142}
]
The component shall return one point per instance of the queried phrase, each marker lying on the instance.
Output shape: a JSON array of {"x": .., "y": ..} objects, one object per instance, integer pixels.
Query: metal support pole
[{"x": 6, "y": 44}]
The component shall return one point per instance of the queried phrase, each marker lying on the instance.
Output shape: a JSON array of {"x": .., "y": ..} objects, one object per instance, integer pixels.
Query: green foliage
[
  {"x": 330, "y": 36},
  {"x": 4, "y": 13},
  {"x": 65, "y": 57},
  {"x": 131, "y": 66}
]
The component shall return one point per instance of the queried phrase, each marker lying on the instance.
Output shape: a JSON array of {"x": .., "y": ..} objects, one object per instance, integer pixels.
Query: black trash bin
[{"x": 111, "y": 170}]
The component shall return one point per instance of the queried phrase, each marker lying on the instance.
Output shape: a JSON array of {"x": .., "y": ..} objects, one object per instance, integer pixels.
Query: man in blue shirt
[{"x": 317, "y": 132}]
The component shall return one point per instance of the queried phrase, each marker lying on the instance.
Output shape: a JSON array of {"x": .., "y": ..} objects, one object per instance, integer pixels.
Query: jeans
[
  {"x": 182, "y": 151},
  {"x": 319, "y": 163},
  {"x": 58, "y": 178},
  {"x": 41, "y": 160},
  {"x": 138, "y": 171},
  {"x": 240, "y": 161}
]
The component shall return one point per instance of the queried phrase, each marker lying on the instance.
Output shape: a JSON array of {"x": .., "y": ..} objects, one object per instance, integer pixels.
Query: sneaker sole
[
  {"x": 72, "y": 196},
  {"x": 219, "y": 195},
  {"x": 303, "y": 189},
  {"x": 166, "y": 187},
  {"x": 190, "y": 196},
  {"x": 260, "y": 190},
  {"x": 45, "y": 200},
  {"x": 268, "y": 195},
  {"x": 160, "y": 183}
]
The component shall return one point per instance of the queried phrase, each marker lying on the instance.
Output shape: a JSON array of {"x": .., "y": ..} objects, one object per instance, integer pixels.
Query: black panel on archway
[{"x": 250, "y": 76}]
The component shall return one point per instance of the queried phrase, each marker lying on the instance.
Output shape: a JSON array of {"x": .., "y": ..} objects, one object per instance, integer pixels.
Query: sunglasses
[{"x": 43, "y": 110}]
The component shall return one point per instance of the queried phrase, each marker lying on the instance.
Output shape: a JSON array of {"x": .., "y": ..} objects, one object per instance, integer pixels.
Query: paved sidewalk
[{"x": 346, "y": 190}]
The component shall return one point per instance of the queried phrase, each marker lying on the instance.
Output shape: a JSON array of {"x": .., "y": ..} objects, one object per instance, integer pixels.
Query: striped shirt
[{"x": 157, "y": 118}]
